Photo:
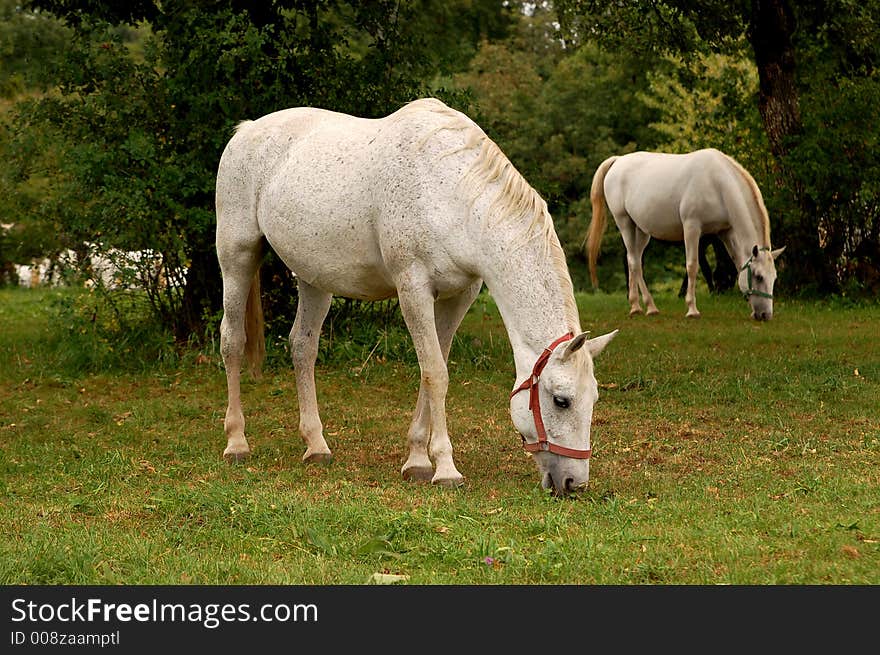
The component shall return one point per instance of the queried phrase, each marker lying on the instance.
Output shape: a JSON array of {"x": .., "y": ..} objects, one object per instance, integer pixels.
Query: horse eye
[{"x": 562, "y": 403}]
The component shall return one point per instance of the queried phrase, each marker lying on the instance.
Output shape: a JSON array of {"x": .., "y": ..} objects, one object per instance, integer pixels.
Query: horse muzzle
[{"x": 562, "y": 481}]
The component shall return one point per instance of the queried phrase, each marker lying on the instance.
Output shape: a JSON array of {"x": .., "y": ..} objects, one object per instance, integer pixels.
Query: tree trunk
[
  {"x": 772, "y": 26},
  {"x": 203, "y": 293}
]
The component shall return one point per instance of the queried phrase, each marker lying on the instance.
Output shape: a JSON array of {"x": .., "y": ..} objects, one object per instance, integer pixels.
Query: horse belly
[
  {"x": 647, "y": 202},
  {"x": 657, "y": 216},
  {"x": 339, "y": 256}
]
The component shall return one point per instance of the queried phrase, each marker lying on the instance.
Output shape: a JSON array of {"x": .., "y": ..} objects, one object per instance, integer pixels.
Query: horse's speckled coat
[{"x": 420, "y": 204}]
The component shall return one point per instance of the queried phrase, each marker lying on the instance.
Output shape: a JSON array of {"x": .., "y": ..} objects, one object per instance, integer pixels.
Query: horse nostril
[{"x": 568, "y": 485}]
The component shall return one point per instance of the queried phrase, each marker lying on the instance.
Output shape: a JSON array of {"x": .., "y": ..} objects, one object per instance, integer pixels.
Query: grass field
[{"x": 725, "y": 452}]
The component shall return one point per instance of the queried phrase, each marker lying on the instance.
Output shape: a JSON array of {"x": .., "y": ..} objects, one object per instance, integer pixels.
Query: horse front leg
[
  {"x": 691, "y": 254},
  {"x": 418, "y": 464},
  {"x": 448, "y": 314},
  {"x": 417, "y": 307},
  {"x": 312, "y": 307}
]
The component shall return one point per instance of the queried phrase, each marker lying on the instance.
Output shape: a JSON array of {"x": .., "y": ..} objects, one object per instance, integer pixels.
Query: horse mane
[
  {"x": 238, "y": 126},
  {"x": 763, "y": 216},
  {"x": 516, "y": 200}
]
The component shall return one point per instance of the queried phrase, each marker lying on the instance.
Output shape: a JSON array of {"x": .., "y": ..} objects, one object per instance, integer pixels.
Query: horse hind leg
[
  {"x": 448, "y": 315},
  {"x": 312, "y": 308},
  {"x": 627, "y": 232},
  {"x": 636, "y": 241},
  {"x": 240, "y": 296},
  {"x": 641, "y": 242},
  {"x": 691, "y": 252}
]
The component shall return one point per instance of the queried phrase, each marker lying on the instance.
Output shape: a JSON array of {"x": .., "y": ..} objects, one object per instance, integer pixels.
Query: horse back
[
  {"x": 346, "y": 202},
  {"x": 659, "y": 191}
]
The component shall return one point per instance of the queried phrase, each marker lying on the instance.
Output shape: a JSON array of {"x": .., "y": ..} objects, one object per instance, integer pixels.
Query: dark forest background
[{"x": 113, "y": 116}]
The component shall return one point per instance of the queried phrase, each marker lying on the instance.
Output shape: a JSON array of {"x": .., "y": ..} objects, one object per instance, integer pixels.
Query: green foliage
[
  {"x": 824, "y": 171},
  {"x": 29, "y": 47},
  {"x": 94, "y": 339},
  {"x": 681, "y": 27},
  {"x": 836, "y": 159},
  {"x": 557, "y": 115},
  {"x": 707, "y": 102},
  {"x": 138, "y": 131}
]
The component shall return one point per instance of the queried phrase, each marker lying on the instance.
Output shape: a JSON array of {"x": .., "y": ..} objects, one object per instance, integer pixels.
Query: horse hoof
[
  {"x": 635, "y": 312},
  {"x": 694, "y": 315},
  {"x": 449, "y": 483},
  {"x": 236, "y": 457},
  {"x": 653, "y": 312},
  {"x": 418, "y": 474},
  {"x": 317, "y": 458}
]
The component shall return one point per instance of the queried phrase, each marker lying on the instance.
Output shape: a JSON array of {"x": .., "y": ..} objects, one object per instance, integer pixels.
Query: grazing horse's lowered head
[
  {"x": 555, "y": 414},
  {"x": 756, "y": 279}
]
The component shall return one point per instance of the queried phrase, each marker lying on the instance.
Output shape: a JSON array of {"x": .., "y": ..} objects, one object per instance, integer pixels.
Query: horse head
[
  {"x": 756, "y": 279},
  {"x": 554, "y": 418}
]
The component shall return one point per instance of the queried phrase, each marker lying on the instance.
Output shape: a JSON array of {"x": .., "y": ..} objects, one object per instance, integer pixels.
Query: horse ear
[
  {"x": 574, "y": 345},
  {"x": 597, "y": 345},
  {"x": 777, "y": 252}
]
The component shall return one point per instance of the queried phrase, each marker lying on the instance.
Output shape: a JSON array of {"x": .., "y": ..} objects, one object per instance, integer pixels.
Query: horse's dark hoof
[
  {"x": 318, "y": 458},
  {"x": 418, "y": 474},
  {"x": 237, "y": 458}
]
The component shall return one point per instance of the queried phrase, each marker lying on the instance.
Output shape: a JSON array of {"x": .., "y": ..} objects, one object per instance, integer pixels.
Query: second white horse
[{"x": 678, "y": 198}]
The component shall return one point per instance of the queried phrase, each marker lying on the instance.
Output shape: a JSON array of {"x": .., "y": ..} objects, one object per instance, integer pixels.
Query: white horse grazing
[
  {"x": 420, "y": 204},
  {"x": 678, "y": 198}
]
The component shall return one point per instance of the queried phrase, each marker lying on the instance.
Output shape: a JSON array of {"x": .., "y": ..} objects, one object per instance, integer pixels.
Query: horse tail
[
  {"x": 255, "y": 338},
  {"x": 600, "y": 219}
]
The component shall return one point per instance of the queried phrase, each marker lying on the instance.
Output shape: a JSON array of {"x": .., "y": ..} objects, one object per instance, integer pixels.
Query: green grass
[{"x": 725, "y": 452}]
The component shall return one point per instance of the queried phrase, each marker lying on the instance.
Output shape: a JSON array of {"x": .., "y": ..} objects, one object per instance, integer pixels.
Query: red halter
[{"x": 542, "y": 445}]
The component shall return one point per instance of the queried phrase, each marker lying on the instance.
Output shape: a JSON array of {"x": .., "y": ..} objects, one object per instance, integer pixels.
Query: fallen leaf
[
  {"x": 851, "y": 551},
  {"x": 387, "y": 578}
]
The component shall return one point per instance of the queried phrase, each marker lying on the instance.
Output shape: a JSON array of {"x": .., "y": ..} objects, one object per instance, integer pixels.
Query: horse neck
[
  {"x": 743, "y": 237},
  {"x": 535, "y": 300},
  {"x": 751, "y": 229}
]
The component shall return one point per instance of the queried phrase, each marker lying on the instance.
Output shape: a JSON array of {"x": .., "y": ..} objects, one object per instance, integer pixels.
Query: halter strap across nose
[
  {"x": 750, "y": 291},
  {"x": 543, "y": 445}
]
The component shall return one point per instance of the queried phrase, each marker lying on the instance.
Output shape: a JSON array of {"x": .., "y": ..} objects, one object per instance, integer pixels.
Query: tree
[
  {"x": 554, "y": 111},
  {"x": 28, "y": 44},
  {"x": 801, "y": 52},
  {"x": 143, "y": 129}
]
